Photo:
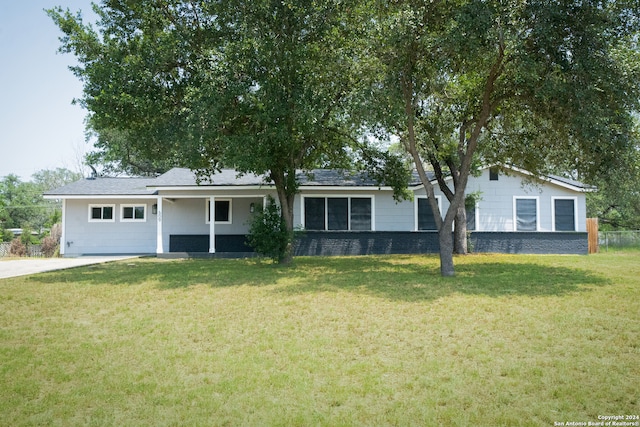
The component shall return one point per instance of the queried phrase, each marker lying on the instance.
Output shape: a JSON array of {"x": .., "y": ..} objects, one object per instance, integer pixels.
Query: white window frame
[
  {"x": 134, "y": 206},
  {"x": 102, "y": 206},
  {"x": 476, "y": 217},
  {"x": 553, "y": 211},
  {"x": 326, "y": 209},
  {"x": 207, "y": 207},
  {"x": 415, "y": 210},
  {"x": 515, "y": 212}
]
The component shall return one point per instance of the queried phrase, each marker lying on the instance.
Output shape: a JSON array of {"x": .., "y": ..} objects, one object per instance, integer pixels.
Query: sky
[{"x": 39, "y": 127}]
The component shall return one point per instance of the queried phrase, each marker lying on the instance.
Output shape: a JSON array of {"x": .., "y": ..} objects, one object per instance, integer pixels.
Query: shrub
[
  {"x": 17, "y": 248},
  {"x": 51, "y": 243},
  {"x": 6, "y": 235},
  {"x": 268, "y": 233}
]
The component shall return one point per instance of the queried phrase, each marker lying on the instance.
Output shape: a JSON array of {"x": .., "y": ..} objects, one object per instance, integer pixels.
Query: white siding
[
  {"x": 185, "y": 213},
  {"x": 495, "y": 207},
  {"x": 109, "y": 237}
]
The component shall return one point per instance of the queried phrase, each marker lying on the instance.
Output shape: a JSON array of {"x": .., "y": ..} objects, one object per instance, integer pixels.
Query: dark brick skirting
[
  {"x": 382, "y": 242},
  {"x": 388, "y": 242},
  {"x": 194, "y": 243},
  {"x": 530, "y": 242}
]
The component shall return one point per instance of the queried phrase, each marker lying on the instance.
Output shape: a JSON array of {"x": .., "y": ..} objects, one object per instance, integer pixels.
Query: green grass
[{"x": 511, "y": 340}]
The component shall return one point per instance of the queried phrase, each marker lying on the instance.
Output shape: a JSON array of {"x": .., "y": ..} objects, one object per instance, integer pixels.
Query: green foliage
[
  {"x": 268, "y": 233},
  {"x": 263, "y": 86},
  {"x": 543, "y": 86},
  {"x": 22, "y": 203},
  {"x": 387, "y": 168},
  {"x": 6, "y": 235},
  {"x": 472, "y": 199},
  {"x": 26, "y": 237},
  {"x": 48, "y": 179}
]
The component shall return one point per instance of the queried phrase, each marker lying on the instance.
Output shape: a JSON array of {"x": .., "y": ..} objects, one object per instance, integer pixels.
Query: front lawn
[{"x": 511, "y": 340}]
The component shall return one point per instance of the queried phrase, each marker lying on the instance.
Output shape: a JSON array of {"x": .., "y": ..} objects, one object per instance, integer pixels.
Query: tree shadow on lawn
[
  {"x": 169, "y": 274},
  {"x": 422, "y": 282},
  {"x": 393, "y": 277}
]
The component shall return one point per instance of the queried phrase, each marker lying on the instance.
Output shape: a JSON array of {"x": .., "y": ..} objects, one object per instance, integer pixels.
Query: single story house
[{"x": 340, "y": 213}]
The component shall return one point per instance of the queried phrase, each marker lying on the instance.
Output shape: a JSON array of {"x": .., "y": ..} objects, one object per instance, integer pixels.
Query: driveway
[{"x": 23, "y": 267}]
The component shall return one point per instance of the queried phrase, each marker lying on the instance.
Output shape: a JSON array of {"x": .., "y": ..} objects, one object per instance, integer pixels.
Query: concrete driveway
[{"x": 23, "y": 267}]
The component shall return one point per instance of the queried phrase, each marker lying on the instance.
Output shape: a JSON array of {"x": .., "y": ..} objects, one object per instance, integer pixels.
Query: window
[
  {"x": 101, "y": 213},
  {"x": 471, "y": 218},
  {"x": 131, "y": 213},
  {"x": 222, "y": 211},
  {"x": 338, "y": 213},
  {"x": 425, "y": 218},
  {"x": 564, "y": 214},
  {"x": 314, "y": 213},
  {"x": 361, "y": 214},
  {"x": 526, "y": 213},
  {"x": 493, "y": 173}
]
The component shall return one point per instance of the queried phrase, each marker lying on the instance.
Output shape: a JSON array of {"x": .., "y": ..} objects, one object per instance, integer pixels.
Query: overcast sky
[{"x": 39, "y": 128}]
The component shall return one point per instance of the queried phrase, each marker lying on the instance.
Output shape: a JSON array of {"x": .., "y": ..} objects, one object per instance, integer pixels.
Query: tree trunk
[
  {"x": 445, "y": 238},
  {"x": 286, "y": 207},
  {"x": 287, "y": 214},
  {"x": 460, "y": 231}
]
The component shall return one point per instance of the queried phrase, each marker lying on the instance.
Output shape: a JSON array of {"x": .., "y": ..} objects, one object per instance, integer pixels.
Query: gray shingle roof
[
  {"x": 181, "y": 177},
  {"x": 572, "y": 182},
  {"x": 105, "y": 187}
]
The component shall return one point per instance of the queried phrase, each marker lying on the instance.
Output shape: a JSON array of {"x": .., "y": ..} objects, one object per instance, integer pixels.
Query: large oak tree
[
  {"x": 258, "y": 85},
  {"x": 539, "y": 84}
]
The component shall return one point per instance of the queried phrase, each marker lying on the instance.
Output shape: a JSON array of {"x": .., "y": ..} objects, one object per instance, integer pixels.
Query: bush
[
  {"x": 17, "y": 248},
  {"x": 51, "y": 243},
  {"x": 268, "y": 233},
  {"x": 6, "y": 235}
]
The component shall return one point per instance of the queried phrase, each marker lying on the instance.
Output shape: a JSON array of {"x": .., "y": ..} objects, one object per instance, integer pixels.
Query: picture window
[{"x": 338, "y": 213}]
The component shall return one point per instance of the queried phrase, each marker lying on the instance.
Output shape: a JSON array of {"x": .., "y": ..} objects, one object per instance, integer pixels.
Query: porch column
[
  {"x": 212, "y": 225},
  {"x": 159, "y": 245}
]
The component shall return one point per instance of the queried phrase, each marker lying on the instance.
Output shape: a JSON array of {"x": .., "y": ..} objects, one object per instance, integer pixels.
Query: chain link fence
[
  {"x": 619, "y": 240},
  {"x": 32, "y": 250}
]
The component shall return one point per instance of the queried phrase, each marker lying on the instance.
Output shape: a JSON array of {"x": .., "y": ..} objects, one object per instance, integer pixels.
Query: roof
[
  {"x": 184, "y": 178},
  {"x": 106, "y": 187},
  {"x": 573, "y": 183},
  {"x": 181, "y": 177}
]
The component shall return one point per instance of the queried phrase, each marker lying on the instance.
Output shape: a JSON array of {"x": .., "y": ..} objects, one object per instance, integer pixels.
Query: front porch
[{"x": 204, "y": 223}]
